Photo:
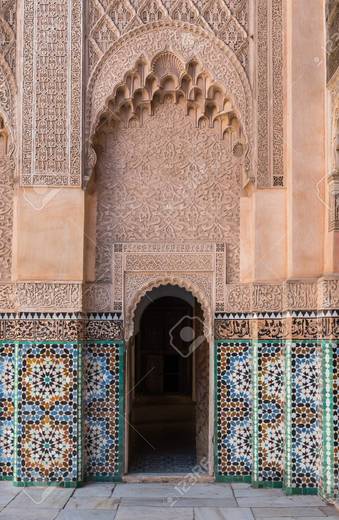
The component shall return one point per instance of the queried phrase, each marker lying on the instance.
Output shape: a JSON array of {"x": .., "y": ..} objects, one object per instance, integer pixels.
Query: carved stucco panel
[
  {"x": 168, "y": 262},
  {"x": 6, "y": 216},
  {"x": 111, "y": 19},
  {"x": 186, "y": 42},
  {"x": 167, "y": 182},
  {"x": 270, "y": 92},
  {"x": 52, "y": 92}
]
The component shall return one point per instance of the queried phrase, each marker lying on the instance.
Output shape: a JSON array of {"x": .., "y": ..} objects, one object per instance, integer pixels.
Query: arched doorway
[{"x": 168, "y": 384}]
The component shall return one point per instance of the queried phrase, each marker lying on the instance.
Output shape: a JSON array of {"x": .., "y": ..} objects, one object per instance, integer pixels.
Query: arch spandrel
[{"x": 186, "y": 42}]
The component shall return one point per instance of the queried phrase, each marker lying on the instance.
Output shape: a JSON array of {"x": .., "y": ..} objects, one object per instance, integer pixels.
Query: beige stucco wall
[
  {"x": 306, "y": 87},
  {"x": 48, "y": 234},
  {"x": 282, "y": 230}
]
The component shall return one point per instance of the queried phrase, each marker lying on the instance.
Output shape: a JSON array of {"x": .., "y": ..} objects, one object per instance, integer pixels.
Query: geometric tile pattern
[
  {"x": 103, "y": 376},
  {"x": 269, "y": 452},
  {"x": 328, "y": 417},
  {"x": 48, "y": 408},
  {"x": 233, "y": 407},
  {"x": 335, "y": 354},
  {"x": 302, "y": 413},
  {"x": 6, "y": 409}
]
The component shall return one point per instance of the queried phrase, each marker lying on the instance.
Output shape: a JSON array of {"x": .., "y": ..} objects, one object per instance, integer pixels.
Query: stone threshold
[{"x": 173, "y": 478}]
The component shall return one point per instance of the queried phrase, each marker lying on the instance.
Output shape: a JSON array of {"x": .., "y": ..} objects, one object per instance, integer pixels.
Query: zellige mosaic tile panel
[
  {"x": 233, "y": 410},
  {"x": 48, "y": 422},
  {"x": 103, "y": 363}
]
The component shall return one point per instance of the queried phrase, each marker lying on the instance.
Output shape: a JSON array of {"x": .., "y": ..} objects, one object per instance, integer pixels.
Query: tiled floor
[{"x": 186, "y": 501}]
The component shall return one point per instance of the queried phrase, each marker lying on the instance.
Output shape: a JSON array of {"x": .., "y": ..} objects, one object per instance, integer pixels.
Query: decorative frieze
[
  {"x": 133, "y": 272},
  {"x": 41, "y": 296},
  {"x": 232, "y": 329},
  {"x": 52, "y": 93},
  {"x": 270, "y": 93}
]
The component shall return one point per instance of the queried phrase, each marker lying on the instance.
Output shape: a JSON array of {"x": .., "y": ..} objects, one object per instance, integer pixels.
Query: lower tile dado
[
  {"x": 104, "y": 414},
  {"x": 303, "y": 398},
  {"x": 233, "y": 410},
  {"x": 62, "y": 401},
  {"x": 268, "y": 416},
  {"x": 48, "y": 413}
]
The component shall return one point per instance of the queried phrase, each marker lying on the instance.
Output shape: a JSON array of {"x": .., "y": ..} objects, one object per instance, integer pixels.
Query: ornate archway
[
  {"x": 188, "y": 43},
  {"x": 197, "y": 361},
  {"x": 173, "y": 281}
]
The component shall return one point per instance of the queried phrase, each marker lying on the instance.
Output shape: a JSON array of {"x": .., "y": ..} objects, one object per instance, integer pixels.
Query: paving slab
[
  {"x": 95, "y": 489},
  {"x": 298, "y": 518},
  {"x": 283, "y": 501},
  {"x": 265, "y": 513},
  {"x": 184, "y": 489},
  {"x": 28, "y": 514},
  {"x": 149, "y": 513},
  {"x": 308, "y": 500},
  {"x": 92, "y": 503},
  {"x": 7, "y": 489},
  {"x": 41, "y": 498},
  {"x": 229, "y": 513},
  {"x": 254, "y": 492},
  {"x": 94, "y": 514},
  {"x": 4, "y": 501},
  {"x": 330, "y": 511},
  {"x": 241, "y": 485},
  {"x": 178, "y": 502}
]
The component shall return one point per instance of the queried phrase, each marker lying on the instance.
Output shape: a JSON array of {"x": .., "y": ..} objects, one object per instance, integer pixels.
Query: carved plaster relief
[
  {"x": 270, "y": 93},
  {"x": 58, "y": 297},
  {"x": 333, "y": 178},
  {"x": 184, "y": 42},
  {"x": 52, "y": 98},
  {"x": 109, "y": 20},
  {"x": 6, "y": 214},
  {"x": 8, "y": 33},
  {"x": 167, "y": 181}
]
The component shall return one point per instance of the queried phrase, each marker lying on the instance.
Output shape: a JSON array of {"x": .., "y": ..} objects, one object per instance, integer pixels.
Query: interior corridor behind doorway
[{"x": 163, "y": 408}]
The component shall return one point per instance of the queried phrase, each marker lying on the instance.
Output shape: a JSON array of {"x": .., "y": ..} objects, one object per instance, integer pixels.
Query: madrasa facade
[{"x": 169, "y": 254}]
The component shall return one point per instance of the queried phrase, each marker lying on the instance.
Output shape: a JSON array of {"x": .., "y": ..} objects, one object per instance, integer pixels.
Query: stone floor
[{"x": 184, "y": 501}]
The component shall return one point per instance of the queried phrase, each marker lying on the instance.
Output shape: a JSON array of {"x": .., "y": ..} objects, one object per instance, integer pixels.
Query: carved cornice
[
  {"x": 41, "y": 296},
  {"x": 271, "y": 301}
]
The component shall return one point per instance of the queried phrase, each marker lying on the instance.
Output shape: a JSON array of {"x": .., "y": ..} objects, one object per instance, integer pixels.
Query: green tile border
[
  {"x": 288, "y": 416},
  {"x": 300, "y": 491},
  {"x": 268, "y": 484},
  {"x": 234, "y": 478},
  {"x": 47, "y": 483},
  {"x": 215, "y": 428},
  {"x": 255, "y": 413},
  {"x": 9, "y": 478},
  {"x": 327, "y": 488},
  {"x": 122, "y": 354}
]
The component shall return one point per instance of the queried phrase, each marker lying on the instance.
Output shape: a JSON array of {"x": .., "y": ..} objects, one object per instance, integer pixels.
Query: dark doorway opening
[{"x": 163, "y": 429}]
